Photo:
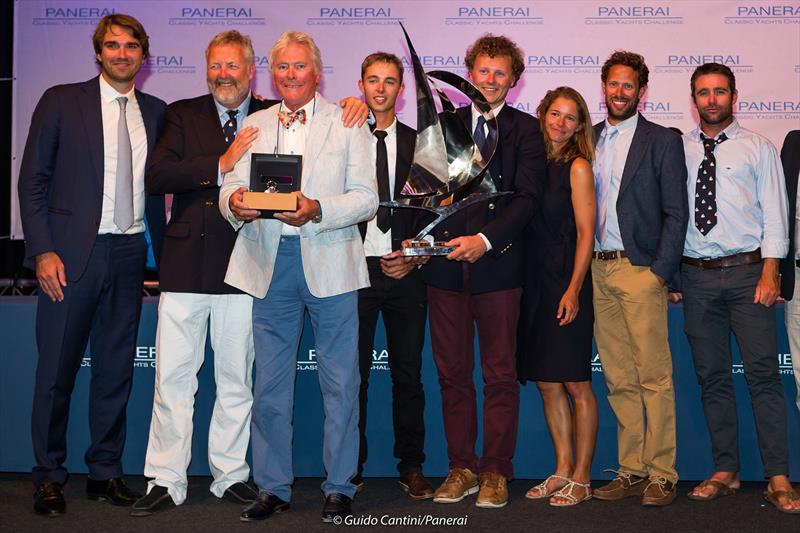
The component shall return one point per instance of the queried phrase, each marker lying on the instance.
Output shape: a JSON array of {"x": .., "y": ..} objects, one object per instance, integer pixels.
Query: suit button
[
  {"x": 491, "y": 206},
  {"x": 446, "y": 234},
  {"x": 209, "y": 203},
  {"x": 205, "y": 183},
  {"x": 202, "y": 235}
]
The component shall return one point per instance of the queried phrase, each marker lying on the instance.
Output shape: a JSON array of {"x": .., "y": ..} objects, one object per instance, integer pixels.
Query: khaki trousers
[{"x": 630, "y": 330}]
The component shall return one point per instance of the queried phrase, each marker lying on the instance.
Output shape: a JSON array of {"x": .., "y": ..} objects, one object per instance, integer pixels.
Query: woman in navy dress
[{"x": 555, "y": 333}]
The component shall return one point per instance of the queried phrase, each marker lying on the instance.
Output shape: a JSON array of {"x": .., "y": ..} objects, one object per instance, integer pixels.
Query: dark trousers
[
  {"x": 104, "y": 305},
  {"x": 716, "y": 302},
  {"x": 452, "y": 315},
  {"x": 403, "y": 308}
]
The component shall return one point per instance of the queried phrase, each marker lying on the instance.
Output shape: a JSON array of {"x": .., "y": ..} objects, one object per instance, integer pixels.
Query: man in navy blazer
[
  {"x": 83, "y": 207},
  {"x": 640, "y": 181},
  {"x": 790, "y": 265},
  {"x": 480, "y": 282}
]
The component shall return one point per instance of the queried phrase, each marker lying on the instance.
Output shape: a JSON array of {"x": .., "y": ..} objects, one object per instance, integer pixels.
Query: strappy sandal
[
  {"x": 720, "y": 490},
  {"x": 775, "y": 496},
  {"x": 566, "y": 493},
  {"x": 539, "y": 492}
]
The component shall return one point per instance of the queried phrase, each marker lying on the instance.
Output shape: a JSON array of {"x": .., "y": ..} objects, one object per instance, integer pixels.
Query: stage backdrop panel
[
  {"x": 565, "y": 43},
  {"x": 534, "y": 457}
]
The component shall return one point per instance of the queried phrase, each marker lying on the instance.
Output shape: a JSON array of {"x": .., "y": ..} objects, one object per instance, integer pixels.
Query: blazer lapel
[
  {"x": 150, "y": 121},
  {"x": 208, "y": 128},
  {"x": 317, "y": 135},
  {"x": 639, "y": 145},
  {"x": 406, "y": 141},
  {"x": 93, "y": 122}
]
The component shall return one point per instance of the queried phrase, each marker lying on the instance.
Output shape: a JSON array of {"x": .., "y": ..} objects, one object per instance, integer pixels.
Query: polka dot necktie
[
  {"x": 229, "y": 129},
  {"x": 705, "y": 195}
]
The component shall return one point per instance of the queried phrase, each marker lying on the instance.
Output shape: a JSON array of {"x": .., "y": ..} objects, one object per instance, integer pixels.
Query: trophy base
[
  {"x": 421, "y": 248},
  {"x": 271, "y": 201}
]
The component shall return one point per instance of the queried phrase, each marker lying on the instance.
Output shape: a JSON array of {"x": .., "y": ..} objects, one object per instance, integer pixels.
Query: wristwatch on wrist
[{"x": 317, "y": 219}]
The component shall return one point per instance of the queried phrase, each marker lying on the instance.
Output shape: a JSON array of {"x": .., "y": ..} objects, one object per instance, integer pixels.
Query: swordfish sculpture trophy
[{"x": 449, "y": 171}]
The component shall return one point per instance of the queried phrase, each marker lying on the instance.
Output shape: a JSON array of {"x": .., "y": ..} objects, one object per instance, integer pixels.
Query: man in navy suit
[
  {"x": 83, "y": 206},
  {"x": 396, "y": 287},
  {"x": 790, "y": 265},
  {"x": 640, "y": 180},
  {"x": 480, "y": 282}
]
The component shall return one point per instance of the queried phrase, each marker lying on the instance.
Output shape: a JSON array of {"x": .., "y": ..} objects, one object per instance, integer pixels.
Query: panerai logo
[
  {"x": 217, "y": 16},
  {"x": 765, "y": 14},
  {"x": 72, "y": 16},
  {"x": 633, "y": 14},
  {"x": 492, "y": 14},
  {"x": 358, "y": 15}
]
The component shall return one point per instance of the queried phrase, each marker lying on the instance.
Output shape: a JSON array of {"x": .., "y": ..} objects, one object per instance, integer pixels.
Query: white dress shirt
[
  {"x": 376, "y": 242},
  {"x": 293, "y": 141},
  {"x": 752, "y": 207},
  {"x": 133, "y": 116},
  {"x": 622, "y": 145}
]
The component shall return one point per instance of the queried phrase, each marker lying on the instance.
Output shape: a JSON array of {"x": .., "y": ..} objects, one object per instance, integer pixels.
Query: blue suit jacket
[
  {"x": 652, "y": 205},
  {"x": 790, "y": 156},
  {"x": 61, "y": 177}
]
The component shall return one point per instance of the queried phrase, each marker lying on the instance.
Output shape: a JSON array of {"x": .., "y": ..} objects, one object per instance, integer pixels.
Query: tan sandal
[
  {"x": 566, "y": 493},
  {"x": 720, "y": 490},
  {"x": 539, "y": 492},
  {"x": 775, "y": 496}
]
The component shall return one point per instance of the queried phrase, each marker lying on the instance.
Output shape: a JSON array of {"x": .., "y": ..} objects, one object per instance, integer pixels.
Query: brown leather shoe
[
  {"x": 622, "y": 486},
  {"x": 494, "y": 492},
  {"x": 460, "y": 482},
  {"x": 658, "y": 492},
  {"x": 415, "y": 485}
]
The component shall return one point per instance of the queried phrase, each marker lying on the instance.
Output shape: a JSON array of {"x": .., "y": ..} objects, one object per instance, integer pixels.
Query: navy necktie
[
  {"x": 229, "y": 128},
  {"x": 705, "y": 189}
]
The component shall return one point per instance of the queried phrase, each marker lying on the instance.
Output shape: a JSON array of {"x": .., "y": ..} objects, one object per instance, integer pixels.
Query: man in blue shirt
[{"x": 738, "y": 225}]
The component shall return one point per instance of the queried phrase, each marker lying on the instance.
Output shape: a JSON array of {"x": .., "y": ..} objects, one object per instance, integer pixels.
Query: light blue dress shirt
[
  {"x": 622, "y": 144},
  {"x": 222, "y": 113},
  {"x": 752, "y": 207}
]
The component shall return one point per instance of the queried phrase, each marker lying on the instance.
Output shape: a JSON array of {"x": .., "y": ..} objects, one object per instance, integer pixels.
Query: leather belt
[
  {"x": 744, "y": 258},
  {"x": 608, "y": 256}
]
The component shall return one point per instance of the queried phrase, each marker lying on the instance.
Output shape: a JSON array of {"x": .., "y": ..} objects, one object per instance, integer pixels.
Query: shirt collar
[
  {"x": 730, "y": 132},
  {"x": 222, "y": 111},
  {"x": 109, "y": 94},
  {"x": 309, "y": 107},
  {"x": 392, "y": 127},
  {"x": 495, "y": 111},
  {"x": 627, "y": 124}
]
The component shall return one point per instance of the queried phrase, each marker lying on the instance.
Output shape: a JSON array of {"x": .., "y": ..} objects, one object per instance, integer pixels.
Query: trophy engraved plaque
[{"x": 449, "y": 171}]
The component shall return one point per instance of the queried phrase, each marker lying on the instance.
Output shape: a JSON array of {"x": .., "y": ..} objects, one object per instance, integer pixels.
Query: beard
[
  {"x": 627, "y": 112},
  {"x": 723, "y": 114},
  {"x": 227, "y": 94}
]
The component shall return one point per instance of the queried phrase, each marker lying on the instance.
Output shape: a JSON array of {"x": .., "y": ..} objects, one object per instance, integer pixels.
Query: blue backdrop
[{"x": 534, "y": 456}]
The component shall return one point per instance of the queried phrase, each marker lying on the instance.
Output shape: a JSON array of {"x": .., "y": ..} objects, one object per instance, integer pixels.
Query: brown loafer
[
  {"x": 622, "y": 486},
  {"x": 658, "y": 493},
  {"x": 415, "y": 485}
]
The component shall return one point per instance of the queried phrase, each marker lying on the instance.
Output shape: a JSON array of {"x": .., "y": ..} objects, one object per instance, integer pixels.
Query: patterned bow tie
[{"x": 287, "y": 119}]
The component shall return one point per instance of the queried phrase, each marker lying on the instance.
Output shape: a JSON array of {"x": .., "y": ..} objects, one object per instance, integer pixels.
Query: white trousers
[
  {"x": 183, "y": 320},
  {"x": 791, "y": 313}
]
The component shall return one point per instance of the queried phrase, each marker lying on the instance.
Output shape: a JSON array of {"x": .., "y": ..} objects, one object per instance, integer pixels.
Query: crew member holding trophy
[{"x": 480, "y": 281}]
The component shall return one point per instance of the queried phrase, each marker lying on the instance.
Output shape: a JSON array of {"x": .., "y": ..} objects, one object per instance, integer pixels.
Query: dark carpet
[{"x": 381, "y": 500}]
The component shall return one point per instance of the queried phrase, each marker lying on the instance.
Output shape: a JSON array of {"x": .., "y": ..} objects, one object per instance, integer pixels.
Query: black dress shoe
[
  {"x": 265, "y": 506},
  {"x": 48, "y": 500},
  {"x": 154, "y": 501},
  {"x": 336, "y": 505},
  {"x": 240, "y": 492},
  {"x": 114, "y": 491}
]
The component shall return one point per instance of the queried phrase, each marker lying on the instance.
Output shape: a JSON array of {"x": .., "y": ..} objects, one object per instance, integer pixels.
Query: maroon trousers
[{"x": 452, "y": 315}]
